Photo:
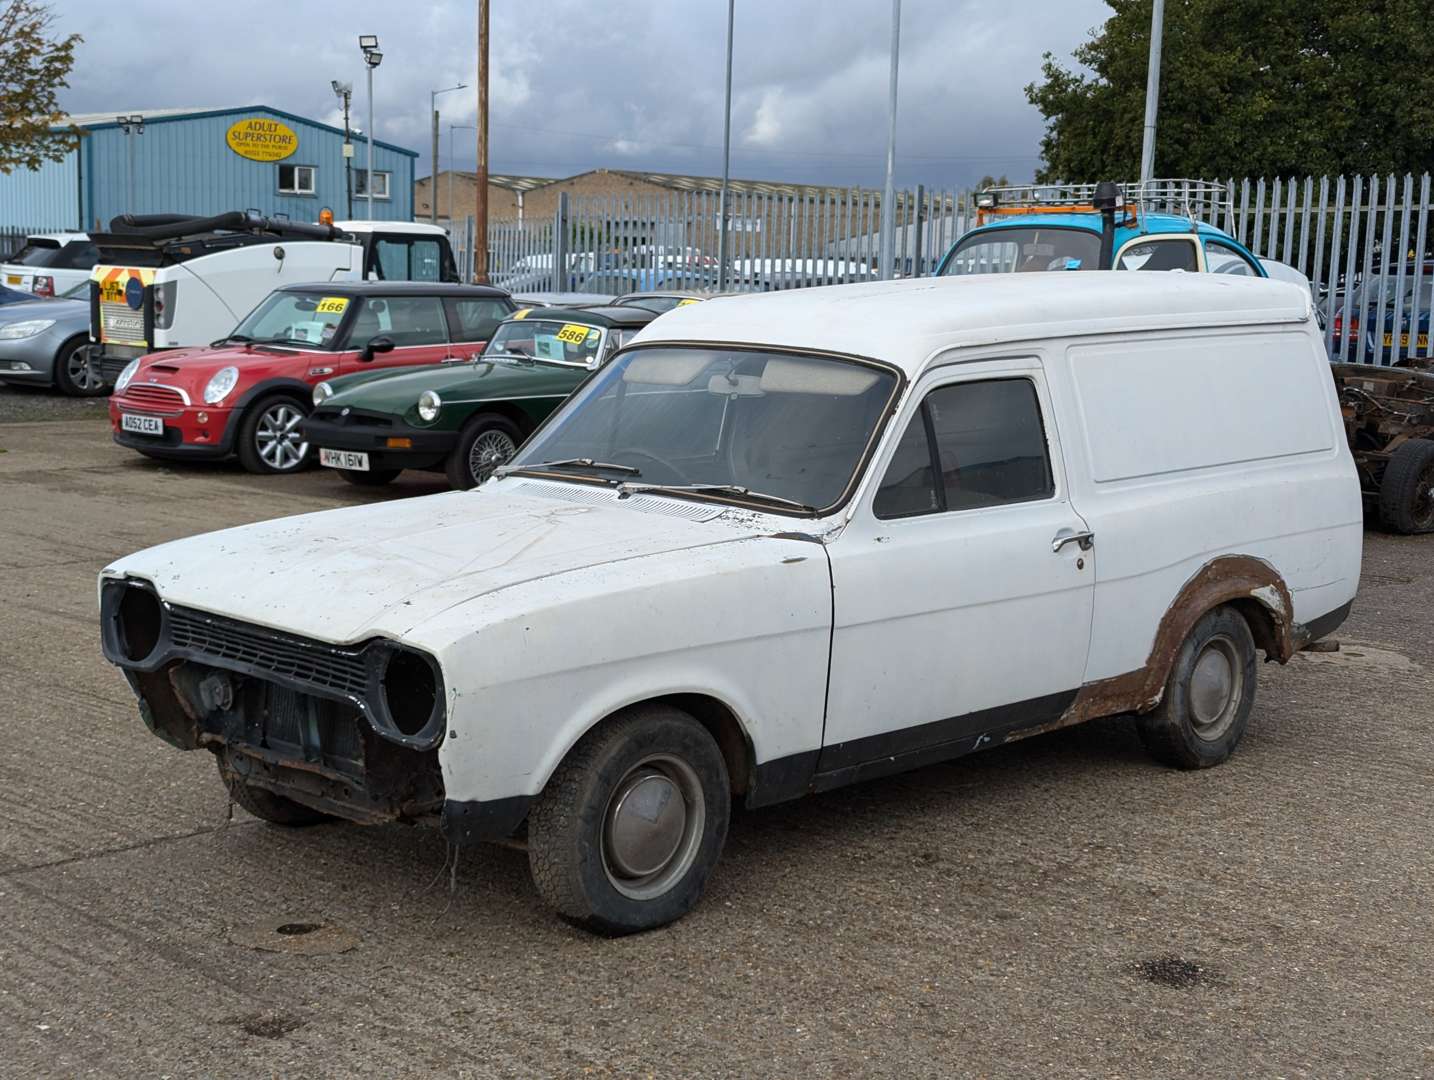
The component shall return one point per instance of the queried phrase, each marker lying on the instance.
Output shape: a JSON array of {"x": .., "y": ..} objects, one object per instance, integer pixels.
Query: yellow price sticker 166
[
  {"x": 332, "y": 305},
  {"x": 573, "y": 333}
]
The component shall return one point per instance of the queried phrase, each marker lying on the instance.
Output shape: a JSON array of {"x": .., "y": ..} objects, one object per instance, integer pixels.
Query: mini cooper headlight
[
  {"x": 127, "y": 375},
  {"x": 428, "y": 405},
  {"x": 28, "y": 328},
  {"x": 224, "y": 380},
  {"x": 322, "y": 393}
]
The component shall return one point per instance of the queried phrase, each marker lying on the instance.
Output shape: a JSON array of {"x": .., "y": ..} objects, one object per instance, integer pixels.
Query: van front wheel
[
  {"x": 631, "y": 824},
  {"x": 1208, "y": 696}
]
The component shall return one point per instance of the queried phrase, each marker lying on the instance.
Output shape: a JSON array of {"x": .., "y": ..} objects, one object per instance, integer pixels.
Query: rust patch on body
[{"x": 1252, "y": 585}]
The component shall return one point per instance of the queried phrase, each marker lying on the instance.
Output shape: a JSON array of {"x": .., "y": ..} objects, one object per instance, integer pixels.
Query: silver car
[{"x": 43, "y": 342}]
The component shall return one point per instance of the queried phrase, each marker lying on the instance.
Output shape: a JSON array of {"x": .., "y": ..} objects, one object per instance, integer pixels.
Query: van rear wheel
[
  {"x": 630, "y": 826},
  {"x": 1208, "y": 696},
  {"x": 1406, "y": 493}
]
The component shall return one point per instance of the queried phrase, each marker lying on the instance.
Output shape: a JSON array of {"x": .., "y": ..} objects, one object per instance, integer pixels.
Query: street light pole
[
  {"x": 726, "y": 160},
  {"x": 371, "y": 58},
  {"x": 344, "y": 92},
  {"x": 1152, "y": 92},
  {"x": 888, "y": 195},
  {"x": 133, "y": 127},
  {"x": 433, "y": 178},
  {"x": 480, "y": 215}
]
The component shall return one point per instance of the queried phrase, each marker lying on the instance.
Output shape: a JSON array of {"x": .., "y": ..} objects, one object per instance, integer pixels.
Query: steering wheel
[{"x": 674, "y": 474}]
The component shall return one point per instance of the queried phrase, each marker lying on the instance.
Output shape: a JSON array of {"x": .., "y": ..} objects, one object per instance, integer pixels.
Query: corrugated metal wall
[
  {"x": 183, "y": 165},
  {"x": 43, "y": 200}
]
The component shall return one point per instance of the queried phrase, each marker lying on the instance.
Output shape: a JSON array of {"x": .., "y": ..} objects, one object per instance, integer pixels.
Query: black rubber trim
[
  {"x": 289, "y": 657},
  {"x": 474, "y": 821},
  {"x": 1326, "y": 624},
  {"x": 356, "y": 435},
  {"x": 782, "y": 779}
]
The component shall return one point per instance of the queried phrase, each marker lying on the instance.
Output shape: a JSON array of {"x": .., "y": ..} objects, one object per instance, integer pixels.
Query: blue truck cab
[{"x": 1154, "y": 226}]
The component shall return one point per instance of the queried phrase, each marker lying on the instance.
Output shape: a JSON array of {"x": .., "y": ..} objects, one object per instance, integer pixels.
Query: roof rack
[{"x": 1195, "y": 200}]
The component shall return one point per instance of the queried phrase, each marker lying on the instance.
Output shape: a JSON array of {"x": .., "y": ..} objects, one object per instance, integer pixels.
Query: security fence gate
[{"x": 1364, "y": 243}]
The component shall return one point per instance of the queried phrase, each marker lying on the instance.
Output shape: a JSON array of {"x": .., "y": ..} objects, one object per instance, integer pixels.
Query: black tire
[
  {"x": 499, "y": 435},
  {"x": 74, "y": 377},
  {"x": 372, "y": 478},
  {"x": 266, "y": 805},
  {"x": 651, "y": 752},
  {"x": 1187, "y": 730},
  {"x": 269, "y": 436},
  {"x": 1406, "y": 493}
]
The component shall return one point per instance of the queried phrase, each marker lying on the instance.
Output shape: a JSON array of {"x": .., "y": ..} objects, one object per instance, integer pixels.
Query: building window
[
  {"x": 380, "y": 184},
  {"x": 296, "y": 179}
]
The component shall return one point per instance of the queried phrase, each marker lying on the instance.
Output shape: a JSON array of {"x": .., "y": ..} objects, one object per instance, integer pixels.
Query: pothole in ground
[
  {"x": 269, "y": 1024},
  {"x": 1361, "y": 654},
  {"x": 1173, "y": 971},
  {"x": 303, "y": 936}
]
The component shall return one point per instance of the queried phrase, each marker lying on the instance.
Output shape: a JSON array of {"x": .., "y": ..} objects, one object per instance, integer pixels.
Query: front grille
[
  {"x": 153, "y": 396},
  {"x": 120, "y": 322},
  {"x": 285, "y": 655}
]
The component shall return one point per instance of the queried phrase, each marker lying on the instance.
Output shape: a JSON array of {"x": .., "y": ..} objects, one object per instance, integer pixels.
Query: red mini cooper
[{"x": 248, "y": 393}]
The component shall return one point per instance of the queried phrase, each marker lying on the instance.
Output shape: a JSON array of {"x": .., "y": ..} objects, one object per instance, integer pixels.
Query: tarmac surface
[{"x": 1059, "y": 907}]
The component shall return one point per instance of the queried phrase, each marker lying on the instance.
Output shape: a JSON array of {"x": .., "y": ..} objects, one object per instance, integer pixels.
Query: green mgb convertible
[{"x": 465, "y": 417}]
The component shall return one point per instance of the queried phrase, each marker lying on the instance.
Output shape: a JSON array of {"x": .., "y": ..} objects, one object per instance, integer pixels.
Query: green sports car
[{"x": 465, "y": 418}]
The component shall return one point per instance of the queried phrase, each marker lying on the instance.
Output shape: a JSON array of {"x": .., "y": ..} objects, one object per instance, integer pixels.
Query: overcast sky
[{"x": 636, "y": 84}]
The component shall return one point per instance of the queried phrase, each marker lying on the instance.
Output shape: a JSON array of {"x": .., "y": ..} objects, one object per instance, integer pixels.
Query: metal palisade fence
[{"x": 1364, "y": 243}]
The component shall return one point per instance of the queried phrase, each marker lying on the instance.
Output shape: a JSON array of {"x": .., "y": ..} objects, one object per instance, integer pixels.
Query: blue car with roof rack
[{"x": 1152, "y": 226}]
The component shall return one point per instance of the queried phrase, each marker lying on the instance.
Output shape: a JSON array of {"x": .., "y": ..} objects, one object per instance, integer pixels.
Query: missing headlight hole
[{"x": 410, "y": 691}]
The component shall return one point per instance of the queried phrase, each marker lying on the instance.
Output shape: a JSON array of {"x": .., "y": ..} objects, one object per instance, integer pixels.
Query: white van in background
[
  {"x": 779, "y": 544},
  {"x": 171, "y": 281}
]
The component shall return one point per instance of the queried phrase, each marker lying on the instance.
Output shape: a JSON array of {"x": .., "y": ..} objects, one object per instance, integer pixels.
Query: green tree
[
  {"x": 1275, "y": 88},
  {"x": 34, "y": 64}
]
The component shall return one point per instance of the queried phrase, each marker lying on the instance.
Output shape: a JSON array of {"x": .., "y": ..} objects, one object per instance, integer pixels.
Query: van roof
[
  {"x": 906, "y": 322},
  {"x": 408, "y": 227}
]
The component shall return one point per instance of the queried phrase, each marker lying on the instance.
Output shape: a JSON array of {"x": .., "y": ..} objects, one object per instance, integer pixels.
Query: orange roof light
[{"x": 326, "y": 216}]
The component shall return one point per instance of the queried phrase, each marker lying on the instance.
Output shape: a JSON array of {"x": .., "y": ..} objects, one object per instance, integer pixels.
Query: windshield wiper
[
  {"x": 585, "y": 462},
  {"x": 626, "y": 489},
  {"x": 231, "y": 337},
  {"x": 497, "y": 354}
]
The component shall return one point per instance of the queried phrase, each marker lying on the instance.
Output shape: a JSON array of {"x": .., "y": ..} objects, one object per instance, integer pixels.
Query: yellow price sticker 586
[
  {"x": 573, "y": 333},
  {"x": 332, "y": 305}
]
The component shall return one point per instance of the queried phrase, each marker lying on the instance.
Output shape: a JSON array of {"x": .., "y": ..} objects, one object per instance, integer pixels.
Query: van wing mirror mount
[{"x": 375, "y": 346}]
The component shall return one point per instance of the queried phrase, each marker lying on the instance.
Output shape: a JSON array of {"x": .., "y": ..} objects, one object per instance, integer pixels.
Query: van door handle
[{"x": 1085, "y": 538}]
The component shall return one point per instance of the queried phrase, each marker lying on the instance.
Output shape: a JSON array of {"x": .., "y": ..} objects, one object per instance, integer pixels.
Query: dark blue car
[{"x": 1405, "y": 311}]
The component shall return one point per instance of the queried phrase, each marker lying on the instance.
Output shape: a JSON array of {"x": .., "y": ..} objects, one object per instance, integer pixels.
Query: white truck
[
  {"x": 779, "y": 544},
  {"x": 170, "y": 281}
]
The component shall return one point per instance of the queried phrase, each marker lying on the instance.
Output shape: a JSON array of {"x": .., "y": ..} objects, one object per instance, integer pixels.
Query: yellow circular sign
[{"x": 261, "y": 139}]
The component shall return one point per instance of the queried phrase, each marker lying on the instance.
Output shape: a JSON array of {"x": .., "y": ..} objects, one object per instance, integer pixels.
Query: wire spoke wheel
[
  {"x": 653, "y": 826},
  {"x": 277, "y": 437},
  {"x": 489, "y": 450}
]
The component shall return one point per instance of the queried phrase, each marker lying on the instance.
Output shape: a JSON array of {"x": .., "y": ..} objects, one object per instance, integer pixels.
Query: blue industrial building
[{"x": 204, "y": 162}]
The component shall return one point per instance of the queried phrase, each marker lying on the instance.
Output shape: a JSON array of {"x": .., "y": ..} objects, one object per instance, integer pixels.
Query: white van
[{"x": 776, "y": 545}]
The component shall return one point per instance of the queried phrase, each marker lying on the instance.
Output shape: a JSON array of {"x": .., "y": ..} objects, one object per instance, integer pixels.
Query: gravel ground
[
  {"x": 1059, "y": 907},
  {"x": 24, "y": 403}
]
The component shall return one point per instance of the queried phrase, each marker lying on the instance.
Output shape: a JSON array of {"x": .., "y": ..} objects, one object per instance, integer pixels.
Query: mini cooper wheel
[
  {"x": 1208, "y": 696},
  {"x": 628, "y": 829},
  {"x": 487, "y": 442},
  {"x": 74, "y": 376},
  {"x": 270, "y": 440},
  {"x": 266, "y": 805}
]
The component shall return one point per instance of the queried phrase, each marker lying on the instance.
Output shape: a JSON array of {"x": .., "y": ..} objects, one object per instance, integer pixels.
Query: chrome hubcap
[
  {"x": 652, "y": 827},
  {"x": 1216, "y": 686},
  {"x": 277, "y": 437},
  {"x": 490, "y": 450},
  {"x": 77, "y": 367}
]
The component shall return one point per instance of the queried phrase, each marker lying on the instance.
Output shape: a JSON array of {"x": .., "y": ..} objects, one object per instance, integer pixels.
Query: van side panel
[{"x": 1187, "y": 447}]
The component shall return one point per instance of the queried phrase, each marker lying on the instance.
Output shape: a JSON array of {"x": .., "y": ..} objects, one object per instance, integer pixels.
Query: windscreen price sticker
[
  {"x": 332, "y": 305},
  {"x": 573, "y": 333}
]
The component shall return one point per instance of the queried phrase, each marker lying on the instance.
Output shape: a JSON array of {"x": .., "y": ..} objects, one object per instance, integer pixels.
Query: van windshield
[
  {"x": 784, "y": 431},
  {"x": 1005, "y": 251}
]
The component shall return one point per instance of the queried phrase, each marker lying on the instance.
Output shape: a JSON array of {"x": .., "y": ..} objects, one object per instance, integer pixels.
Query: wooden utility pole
[{"x": 480, "y": 217}]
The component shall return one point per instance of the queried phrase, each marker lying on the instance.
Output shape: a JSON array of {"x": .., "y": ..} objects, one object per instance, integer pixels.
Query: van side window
[
  {"x": 1158, "y": 255},
  {"x": 984, "y": 440}
]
